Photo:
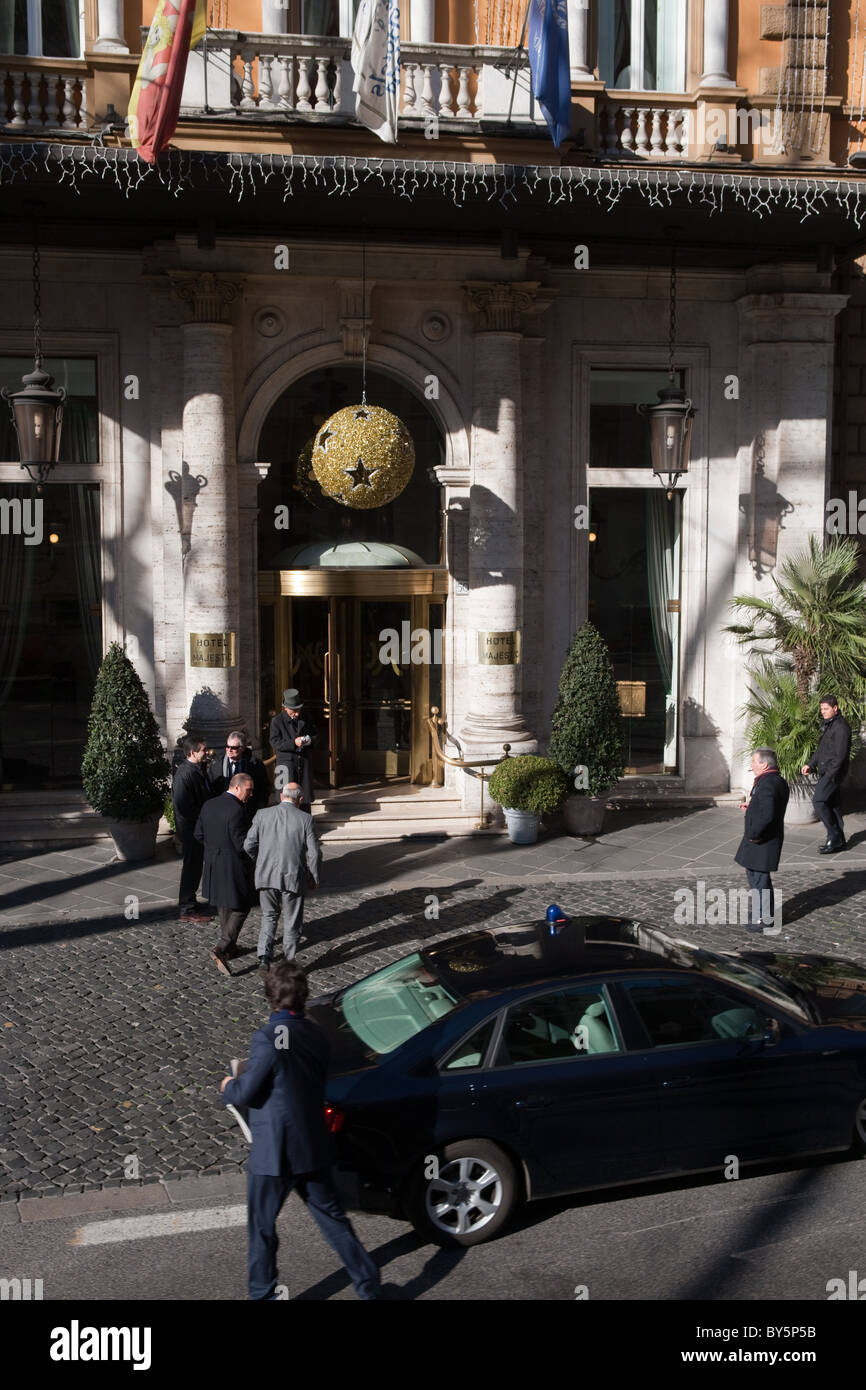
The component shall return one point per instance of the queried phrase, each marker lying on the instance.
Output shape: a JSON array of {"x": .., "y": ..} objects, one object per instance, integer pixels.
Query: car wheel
[
  {"x": 858, "y": 1145},
  {"x": 470, "y": 1198}
]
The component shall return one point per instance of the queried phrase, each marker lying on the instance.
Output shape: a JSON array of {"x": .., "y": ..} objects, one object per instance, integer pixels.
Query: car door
[
  {"x": 567, "y": 1097},
  {"x": 725, "y": 1091}
]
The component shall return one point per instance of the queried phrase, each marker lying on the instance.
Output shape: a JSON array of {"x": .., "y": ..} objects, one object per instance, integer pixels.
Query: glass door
[{"x": 382, "y": 693}]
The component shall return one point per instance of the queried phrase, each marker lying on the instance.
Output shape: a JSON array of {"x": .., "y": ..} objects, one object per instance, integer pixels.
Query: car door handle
[
  {"x": 680, "y": 1082},
  {"x": 536, "y": 1103}
]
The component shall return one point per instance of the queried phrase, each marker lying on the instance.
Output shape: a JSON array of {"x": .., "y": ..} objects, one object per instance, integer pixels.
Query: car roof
[{"x": 510, "y": 956}]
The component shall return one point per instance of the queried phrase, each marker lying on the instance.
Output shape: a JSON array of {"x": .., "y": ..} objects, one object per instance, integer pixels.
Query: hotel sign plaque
[
  {"x": 499, "y": 649},
  {"x": 212, "y": 649}
]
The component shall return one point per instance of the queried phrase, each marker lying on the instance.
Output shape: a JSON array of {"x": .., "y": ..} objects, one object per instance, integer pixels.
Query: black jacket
[
  {"x": 764, "y": 828},
  {"x": 296, "y": 761},
  {"x": 219, "y": 776},
  {"x": 830, "y": 759},
  {"x": 190, "y": 790},
  {"x": 227, "y": 880},
  {"x": 284, "y": 1087}
]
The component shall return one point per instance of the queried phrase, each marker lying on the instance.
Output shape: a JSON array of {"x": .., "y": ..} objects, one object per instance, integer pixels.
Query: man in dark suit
[
  {"x": 190, "y": 790},
  {"x": 284, "y": 1088},
  {"x": 239, "y": 757},
  {"x": 763, "y": 836},
  {"x": 293, "y": 738},
  {"x": 228, "y": 871},
  {"x": 830, "y": 761}
]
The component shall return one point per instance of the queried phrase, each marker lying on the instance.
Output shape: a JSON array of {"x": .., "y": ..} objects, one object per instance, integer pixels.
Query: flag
[
  {"x": 550, "y": 64},
  {"x": 376, "y": 62},
  {"x": 178, "y": 26}
]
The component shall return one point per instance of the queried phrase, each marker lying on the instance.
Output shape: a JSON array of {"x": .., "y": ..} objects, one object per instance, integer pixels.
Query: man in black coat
[
  {"x": 293, "y": 737},
  {"x": 284, "y": 1087},
  {"x": 228, "y": 878},
  {"x": 239, "y": 757},
  {"x": 190, "y": 790},
  {"x": 763, "y": 835},
  {"x": 830, "y": 761}
]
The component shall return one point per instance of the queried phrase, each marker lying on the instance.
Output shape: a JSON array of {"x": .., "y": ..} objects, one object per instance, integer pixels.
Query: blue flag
[{"x": 550, "y": 65}]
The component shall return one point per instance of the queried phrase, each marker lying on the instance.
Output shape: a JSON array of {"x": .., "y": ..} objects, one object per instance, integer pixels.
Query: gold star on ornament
[
  {"x": 324, "y": 437},
  {"x": 360, "y": 475}
]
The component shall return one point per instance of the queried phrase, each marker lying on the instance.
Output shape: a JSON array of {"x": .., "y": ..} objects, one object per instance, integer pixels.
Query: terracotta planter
[
  {"x": 134, "y": 840},
  {"x": 522, "y": 826},
  {"x": 584, "y": 815}
]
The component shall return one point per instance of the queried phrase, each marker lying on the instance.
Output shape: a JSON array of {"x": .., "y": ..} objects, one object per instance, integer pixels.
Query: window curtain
[
  {"x": 661, "y": 524},
  {"x": 16, "y": 585},
  {"x": 319, "y": 17},
  {"x": 642, "y": 44},
  {"x": 60, "y": 35},
  {"x": 86, "y": 552}
]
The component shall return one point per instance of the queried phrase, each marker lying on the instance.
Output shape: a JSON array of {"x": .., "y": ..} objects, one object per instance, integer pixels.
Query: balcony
[{"x": 42, "y": 95}]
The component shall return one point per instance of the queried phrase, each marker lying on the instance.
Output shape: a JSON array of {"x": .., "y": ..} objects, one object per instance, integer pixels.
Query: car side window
[
  {"x": 674, "y": 1012},
  {"x": 472, "y": 1050},
  {"x": 570, "y": 1023}
]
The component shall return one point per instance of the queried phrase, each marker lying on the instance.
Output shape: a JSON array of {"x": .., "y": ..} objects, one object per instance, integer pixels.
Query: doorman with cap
[{"x": 293, "y": 737}]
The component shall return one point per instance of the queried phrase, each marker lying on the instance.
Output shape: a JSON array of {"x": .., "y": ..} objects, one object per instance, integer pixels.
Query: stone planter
[
  {"x": 584, "y": 815},
  {"x": 134, "y": 839},
  {"x": 522, "y": 826},
  {"x": 799, "y": 810}
]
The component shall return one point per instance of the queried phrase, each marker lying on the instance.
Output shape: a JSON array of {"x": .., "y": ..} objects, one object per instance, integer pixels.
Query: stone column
[
  {"x": 495, "y": 714},
  {"x": 422, "y": 21},
  {"x": 110, "y": 38},
  {"x": 578, "y": 38},
  {"x": 715, "y": 72},
  {"x": 211, "y": 591}
]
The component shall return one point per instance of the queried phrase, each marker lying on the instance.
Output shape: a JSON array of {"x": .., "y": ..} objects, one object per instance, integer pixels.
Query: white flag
[{"x": 376, "y": 61}]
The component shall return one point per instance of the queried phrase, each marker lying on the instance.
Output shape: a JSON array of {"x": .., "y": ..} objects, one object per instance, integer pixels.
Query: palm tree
[{"x": 817, "y": 621}]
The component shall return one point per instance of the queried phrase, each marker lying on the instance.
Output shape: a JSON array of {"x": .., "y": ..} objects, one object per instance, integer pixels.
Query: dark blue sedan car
[{"x": 510, "y": 1064}]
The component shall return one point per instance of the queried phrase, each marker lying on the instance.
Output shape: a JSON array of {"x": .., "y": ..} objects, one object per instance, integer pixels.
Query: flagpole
[
  {"x": 207, "y": 110},
  {"x": 517, "y": 60}
]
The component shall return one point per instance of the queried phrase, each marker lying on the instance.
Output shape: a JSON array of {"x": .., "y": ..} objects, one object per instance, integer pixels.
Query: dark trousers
[
  {"x": 826, "y": 804},
  {"x": 760, "y": 882},
  {"x": 265, "y": 1197},
  {"x": 231, "y": 921},
  {"x": 190, "y": 874}
]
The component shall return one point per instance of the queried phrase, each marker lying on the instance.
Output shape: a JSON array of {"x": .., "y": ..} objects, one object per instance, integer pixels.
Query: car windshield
[{"x": 393, "y": 1005}]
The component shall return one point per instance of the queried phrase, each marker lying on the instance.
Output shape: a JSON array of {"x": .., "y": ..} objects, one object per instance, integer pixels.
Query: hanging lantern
[
  {"x": 670, "y": 419},
  {"x": 363, "y": 457},
  {"x": 37, "y": 411}
]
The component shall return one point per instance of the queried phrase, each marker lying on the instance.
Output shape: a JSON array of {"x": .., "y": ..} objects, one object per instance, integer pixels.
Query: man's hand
[
  {"x": 805, "y": 770},
  {"x": 225, "y": 1081},
  {"x": 299, "y": 743}
]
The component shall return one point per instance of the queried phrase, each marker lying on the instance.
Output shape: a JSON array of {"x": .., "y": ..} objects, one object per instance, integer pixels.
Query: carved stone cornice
[
  {"x": 205, "y": 296},
  {"x": 498, "y": 306},
  {"x": 355, "y": 317}
]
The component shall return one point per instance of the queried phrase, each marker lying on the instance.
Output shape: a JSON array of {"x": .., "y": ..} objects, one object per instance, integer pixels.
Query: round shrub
[{"x": 528, "y": 783}]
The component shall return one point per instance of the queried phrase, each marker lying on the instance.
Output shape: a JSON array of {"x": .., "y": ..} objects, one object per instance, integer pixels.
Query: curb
[{"x": 23, "y": 1209}]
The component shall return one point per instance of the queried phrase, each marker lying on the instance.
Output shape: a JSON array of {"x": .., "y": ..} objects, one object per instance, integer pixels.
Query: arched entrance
[{"x": 338, "y": 587}]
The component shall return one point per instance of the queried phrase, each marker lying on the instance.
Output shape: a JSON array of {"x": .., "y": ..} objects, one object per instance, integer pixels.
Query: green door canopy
[{"x": 347, "y": 555}]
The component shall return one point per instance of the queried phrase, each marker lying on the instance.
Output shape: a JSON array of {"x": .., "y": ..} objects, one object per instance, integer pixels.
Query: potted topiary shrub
[
  {"x": 125, "y": 771},
  {"x": 586, "y": 740},
  {"x": 527, "y": 788}
]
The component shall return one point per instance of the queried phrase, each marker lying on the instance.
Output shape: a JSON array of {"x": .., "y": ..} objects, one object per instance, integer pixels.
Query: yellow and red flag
[{"x": 178, "y": 26}]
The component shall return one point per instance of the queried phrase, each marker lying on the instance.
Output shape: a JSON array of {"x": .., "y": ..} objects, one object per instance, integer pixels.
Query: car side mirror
[{"x": 772, "y": 1032}]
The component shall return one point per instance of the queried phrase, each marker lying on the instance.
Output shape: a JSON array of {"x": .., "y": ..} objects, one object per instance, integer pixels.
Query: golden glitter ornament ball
[{"x": 363, "y": 456}]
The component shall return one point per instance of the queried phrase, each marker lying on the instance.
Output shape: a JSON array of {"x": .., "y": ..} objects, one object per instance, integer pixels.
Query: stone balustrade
[
  {"x": 637, "y": 127},
  {"x": 43, "y": 94}
]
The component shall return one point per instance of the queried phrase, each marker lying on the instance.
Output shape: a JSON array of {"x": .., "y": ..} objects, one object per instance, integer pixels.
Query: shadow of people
[{"x": 823, "y": 895}]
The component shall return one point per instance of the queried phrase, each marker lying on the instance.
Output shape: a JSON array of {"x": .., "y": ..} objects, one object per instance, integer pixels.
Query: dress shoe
[
  {"x": 264, "y": 966},
  {"x": 754, "y": 927},
  {"x": 221, "y": 960},
  {"x": 832, "y": 847},
  {"x": 232, "y": 952},
  {"x": 194, "y": 917}
]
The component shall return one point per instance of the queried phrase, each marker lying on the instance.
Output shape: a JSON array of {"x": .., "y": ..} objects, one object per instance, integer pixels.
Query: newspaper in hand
[{"x": 240, "y": 1115}]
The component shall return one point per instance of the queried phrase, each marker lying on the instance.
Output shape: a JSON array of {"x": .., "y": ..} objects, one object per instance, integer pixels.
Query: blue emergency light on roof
[{"x": 556, "y": 919}]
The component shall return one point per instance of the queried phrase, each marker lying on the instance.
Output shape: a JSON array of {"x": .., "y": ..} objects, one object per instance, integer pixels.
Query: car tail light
[{"x": 334, "y": 1119}]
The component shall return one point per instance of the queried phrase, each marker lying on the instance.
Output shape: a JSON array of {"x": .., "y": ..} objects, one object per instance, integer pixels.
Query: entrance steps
[
  {"x": 43, "y": 819},
  {"x": 392, "y": 812}
]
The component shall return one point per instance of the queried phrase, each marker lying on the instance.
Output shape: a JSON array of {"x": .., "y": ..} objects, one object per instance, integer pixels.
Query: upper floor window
[
  {"x": 642, "y": 45},
  {"x": 40, "y": 28},
  {"x": 320, "y": 18}
]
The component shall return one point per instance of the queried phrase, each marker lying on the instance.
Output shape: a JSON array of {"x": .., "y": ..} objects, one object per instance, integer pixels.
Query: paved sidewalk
[{"x": 115, "y": 1026}]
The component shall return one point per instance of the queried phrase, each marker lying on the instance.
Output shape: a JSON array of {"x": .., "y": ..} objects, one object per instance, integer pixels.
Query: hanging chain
[
  {"x": 37, "y": 305},
  {"x": 363, "y": 323},
  {"x": 673, "y": 321}
]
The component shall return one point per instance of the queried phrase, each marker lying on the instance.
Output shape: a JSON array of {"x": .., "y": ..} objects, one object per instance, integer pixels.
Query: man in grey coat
[{"x": 288, "y": 857}]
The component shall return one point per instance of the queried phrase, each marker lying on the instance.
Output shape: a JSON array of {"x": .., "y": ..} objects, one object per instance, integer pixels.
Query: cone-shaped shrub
[
  {"x": 125, "y": 771},
  {"x": 587, "y": 724}
]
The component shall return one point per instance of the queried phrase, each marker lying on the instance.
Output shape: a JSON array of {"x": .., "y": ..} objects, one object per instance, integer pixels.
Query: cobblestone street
[{"x": 115, "y": 1031}]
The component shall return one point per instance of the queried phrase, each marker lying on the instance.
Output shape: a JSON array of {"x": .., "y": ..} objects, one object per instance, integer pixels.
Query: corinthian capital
[
  {"x": 498, "y": 306},
  {"x": 205, "y": 296}
]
